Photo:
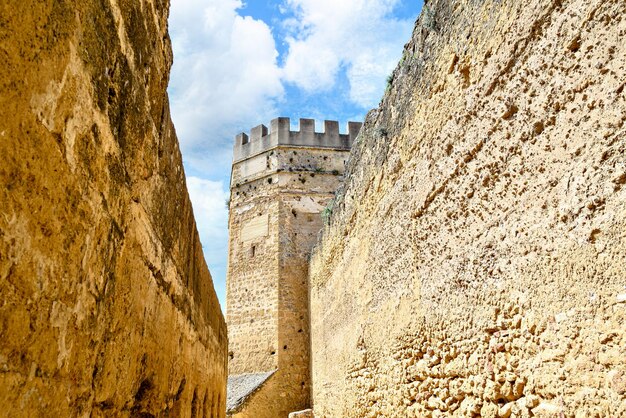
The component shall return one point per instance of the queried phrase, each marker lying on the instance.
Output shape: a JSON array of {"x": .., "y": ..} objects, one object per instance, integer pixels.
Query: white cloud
[
  {"x": 360, "y": 35},
  {"x": 226, "y": 78},
  {"x": 209, "y": 206},
  {"x": 225, "y": 74}
]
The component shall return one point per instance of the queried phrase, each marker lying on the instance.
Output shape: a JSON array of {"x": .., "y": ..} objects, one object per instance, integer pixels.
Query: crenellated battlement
[{"x": 280, "y": 133}]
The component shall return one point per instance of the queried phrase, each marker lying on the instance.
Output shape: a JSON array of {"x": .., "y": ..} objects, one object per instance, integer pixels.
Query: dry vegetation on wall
[
  {"x": 475, "y": 260},
  {"x": 106, "y": 303}
]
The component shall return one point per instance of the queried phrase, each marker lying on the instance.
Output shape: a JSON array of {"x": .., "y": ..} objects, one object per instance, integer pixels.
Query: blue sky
[{"x": 240, "y": 64}]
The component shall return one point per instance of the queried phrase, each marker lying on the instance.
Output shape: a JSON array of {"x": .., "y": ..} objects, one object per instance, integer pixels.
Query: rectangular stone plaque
[{"x": 255, "y": 228}]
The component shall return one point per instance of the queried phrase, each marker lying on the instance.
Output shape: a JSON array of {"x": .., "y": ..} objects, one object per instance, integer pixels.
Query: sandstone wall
[
  {"x": 107, "y": 307},
  {"x": 276, "y": 200},
  {"x": 475, "y": 262}
]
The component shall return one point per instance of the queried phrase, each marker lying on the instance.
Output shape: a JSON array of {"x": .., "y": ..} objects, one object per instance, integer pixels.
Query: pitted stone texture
[
  {"x": 476, "y": 256},
  {"x": 107, "y": 307}
]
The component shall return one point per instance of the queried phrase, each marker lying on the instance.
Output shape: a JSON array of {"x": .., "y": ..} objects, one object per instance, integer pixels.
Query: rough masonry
[
  {"x": 281, "y": 183},
  {"x": 106, "y": 304},
  {"x": 475, "y": 262}
]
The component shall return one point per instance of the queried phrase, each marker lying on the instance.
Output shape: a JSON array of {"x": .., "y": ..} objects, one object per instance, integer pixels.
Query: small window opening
[{"x": 253, "y": 251}]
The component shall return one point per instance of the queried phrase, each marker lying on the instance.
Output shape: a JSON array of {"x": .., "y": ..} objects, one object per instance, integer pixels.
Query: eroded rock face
[
  {"x": 107, "y": 304},
  {"x": 475, "y": 264}
]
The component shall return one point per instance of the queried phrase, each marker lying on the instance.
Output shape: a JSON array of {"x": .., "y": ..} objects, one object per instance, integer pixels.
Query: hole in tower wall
[
  {"x": 294, "y": 213},
  {"x": 253, "y": 251},
  {"x": 285, "y": 347}
]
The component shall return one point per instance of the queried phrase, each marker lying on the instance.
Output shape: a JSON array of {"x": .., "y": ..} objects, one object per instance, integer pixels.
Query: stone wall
[
  {"x": 107, "y": 306},
  {"x": 474, "y": 264},
  {"x": 277, "y": 197}
]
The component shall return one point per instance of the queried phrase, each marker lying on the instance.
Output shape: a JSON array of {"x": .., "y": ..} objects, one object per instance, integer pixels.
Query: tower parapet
[{"x": 261, "y": 139}]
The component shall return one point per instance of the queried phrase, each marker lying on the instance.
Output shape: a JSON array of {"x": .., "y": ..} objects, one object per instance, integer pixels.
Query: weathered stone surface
[
  {"x": 107, "y": 307},
  {"x": 475, "y": 261}
]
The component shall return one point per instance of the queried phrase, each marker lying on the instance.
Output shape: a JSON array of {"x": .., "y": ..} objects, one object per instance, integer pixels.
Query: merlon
[{"x": 261, "y": 139}]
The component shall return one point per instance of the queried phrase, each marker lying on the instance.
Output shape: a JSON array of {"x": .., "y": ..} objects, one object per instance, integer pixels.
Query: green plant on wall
[
  {"x": 389, "y": 82},
  {"x": 327, "y": 212},
  {"x": 429, "y": 18}
]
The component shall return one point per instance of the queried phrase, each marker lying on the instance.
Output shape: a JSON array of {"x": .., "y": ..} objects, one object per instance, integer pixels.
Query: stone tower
[{"x": 281, "y": 182}]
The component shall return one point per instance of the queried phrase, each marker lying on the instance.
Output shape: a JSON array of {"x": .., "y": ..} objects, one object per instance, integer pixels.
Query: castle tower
[{"x": 281, "y": 182}]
